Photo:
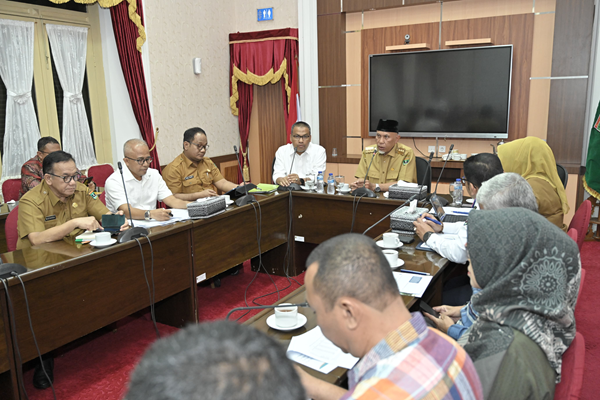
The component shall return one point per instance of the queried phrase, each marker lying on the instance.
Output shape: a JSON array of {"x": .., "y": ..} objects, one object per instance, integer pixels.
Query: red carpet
[
  {"x": 98, "y": 367},
  {"x": 587, "y": 323}
]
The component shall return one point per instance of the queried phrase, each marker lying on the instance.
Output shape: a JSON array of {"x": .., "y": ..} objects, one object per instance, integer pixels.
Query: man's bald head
[{"x": 131, "y": 144}]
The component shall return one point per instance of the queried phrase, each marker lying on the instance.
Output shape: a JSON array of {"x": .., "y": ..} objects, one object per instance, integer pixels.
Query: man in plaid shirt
[
  {"x": 31, "y": 171},
  {"x": 350, "y": 286}
]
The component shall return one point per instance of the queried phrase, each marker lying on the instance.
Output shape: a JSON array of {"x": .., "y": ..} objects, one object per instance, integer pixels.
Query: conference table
[{"x": 75, "y": 289}]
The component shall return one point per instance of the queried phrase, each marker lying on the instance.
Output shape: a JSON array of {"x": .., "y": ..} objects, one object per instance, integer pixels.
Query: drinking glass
[
  {"x": 339, "y": 183},
  {"x": 457, "y": 196}
]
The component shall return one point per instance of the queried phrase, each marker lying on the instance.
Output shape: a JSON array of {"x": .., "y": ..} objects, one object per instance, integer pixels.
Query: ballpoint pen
[
  {"x": 409, "y": 271},
  {"x": 435, "y": 221}
]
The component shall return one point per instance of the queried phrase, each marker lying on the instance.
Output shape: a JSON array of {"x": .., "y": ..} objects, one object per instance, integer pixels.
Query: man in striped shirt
[{"x": 350, "y": 286}]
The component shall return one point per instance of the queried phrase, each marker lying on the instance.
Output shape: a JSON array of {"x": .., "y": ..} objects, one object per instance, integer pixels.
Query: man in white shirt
[
  {"x": 310, "y": 158},
  {"x": 449, "y": 239},
  {"x": 145, "y": 186}
]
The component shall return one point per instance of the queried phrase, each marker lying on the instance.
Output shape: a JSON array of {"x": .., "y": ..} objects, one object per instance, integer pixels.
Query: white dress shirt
[
  {"x": 142, "y": 194},
  {"x": 308, "y": 163},
  {"x": 451, "y": 242}
]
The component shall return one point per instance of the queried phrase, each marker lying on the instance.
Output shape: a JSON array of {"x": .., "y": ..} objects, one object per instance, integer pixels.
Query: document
[
  {"x": 315, "y": 351},
  {"x": 178, "y": 215},
  {"x": 412, "y": 284}
]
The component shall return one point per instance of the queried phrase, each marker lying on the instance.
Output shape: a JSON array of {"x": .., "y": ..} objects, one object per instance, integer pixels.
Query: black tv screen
[{"x": 461, "y": 93}]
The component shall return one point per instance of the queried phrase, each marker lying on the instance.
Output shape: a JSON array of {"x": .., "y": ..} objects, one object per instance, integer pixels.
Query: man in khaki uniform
[
  {"x": 392, "y": 161},
  {"x": 192, "y": 175},
  {"x": 56, "y": 208}
]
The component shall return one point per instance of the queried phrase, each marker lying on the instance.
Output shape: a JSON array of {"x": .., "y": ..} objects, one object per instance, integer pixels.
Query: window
[{"x": 47, "y": 93}]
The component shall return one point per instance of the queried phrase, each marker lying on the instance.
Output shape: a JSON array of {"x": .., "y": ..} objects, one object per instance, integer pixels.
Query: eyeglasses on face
[
  {"x": 141, "y": 161},
  {"x": 68, "y": 178},
  {"x": 200, "y": 147},
  {"x": 303, "y": 137}
]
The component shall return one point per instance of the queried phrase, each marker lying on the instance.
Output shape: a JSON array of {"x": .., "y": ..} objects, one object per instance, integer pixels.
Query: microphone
[
  {"x": 264, "y": 307},
  {"x": 442, "y": 200},
  {"x": 247, "y": 198},
  {"x": 407, "y": 201},
  {"x": 135, "y": 231},
  {"x": 291, "y": 186},
  {"x": 7, "y": 270},
  {"x": 364, "y": 191}
]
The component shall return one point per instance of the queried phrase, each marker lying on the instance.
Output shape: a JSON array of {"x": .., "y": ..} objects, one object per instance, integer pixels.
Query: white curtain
[
  {"x": 16, "y": 69},
  {"x": 69, "y": 47}
]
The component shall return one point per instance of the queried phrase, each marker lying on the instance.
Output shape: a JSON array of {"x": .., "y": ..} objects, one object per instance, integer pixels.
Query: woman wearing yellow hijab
[{"x": 533, "y": 159}]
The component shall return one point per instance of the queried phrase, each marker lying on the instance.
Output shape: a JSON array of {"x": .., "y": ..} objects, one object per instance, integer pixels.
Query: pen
[
  {"x": 435, "y": 221},
  {"x": 409, "y": 271},
  {"x": 461, "y": 212}
]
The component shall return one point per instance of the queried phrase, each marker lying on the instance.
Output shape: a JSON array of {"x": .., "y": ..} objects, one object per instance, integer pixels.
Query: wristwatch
[
  {"x": 147, "y": 215},
  {"x": 377, "y": 188},
  {"x": 426, "y": 236}
]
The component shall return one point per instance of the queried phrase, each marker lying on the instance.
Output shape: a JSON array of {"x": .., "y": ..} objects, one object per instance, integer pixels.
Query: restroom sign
[{"x": 265, "y": 14}]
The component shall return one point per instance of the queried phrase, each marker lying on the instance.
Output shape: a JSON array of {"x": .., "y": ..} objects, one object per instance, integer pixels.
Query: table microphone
[
  {"x": 364, "y": 191},
  {"x": 264, "y": 307},
  {"x": 247, "y": 198},
  {"x": 133, "y": 232},
  {"x": 291, "y": 186},
  {"x": 6, "y": 270},
  {"x": 434, "y": 194}
]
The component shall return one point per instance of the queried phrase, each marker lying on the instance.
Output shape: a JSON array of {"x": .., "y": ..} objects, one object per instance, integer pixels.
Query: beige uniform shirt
[
  {"x": 549, "y": 204},
  {"x": 182, "y": 176},
  {"x": 398, "y": 164},
  {"x": 40, "y": 209}
]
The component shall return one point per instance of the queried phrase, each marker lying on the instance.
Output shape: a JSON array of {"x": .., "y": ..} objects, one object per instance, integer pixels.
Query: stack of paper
[
  {"x": 315, "y": 351},
  {"x": 86, "y": 236},
  {"x": 412, "y": 284},
  {"x": 262, "y": 188},
  {"x": 178, "y": 215}
]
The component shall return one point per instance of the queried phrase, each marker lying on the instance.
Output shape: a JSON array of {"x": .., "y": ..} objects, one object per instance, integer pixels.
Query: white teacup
[
  {"x": 286, "y": 317},
  {"x": 102, "y": 238},
  {"x": 391, "y": 239},
  {"x": 346, "y": 187},
  {"x": 463, "y": 157},
  {"x": 226, "y": 197},
  {"x": 392, "y": 257}
]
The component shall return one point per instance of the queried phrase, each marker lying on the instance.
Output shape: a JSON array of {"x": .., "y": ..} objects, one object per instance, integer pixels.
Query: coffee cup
[
  {"x": 286, "y": 317},
  {"x": 392, "y": 257},
  {"x": 346, "y": 187},
  {"x": 102, "y": 238},
  {"x": 391, "y": 239}
]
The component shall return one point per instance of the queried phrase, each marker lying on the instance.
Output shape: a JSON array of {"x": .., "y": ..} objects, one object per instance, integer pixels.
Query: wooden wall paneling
[
  {"x": 374, "y": 41},
  {"x": 271, "y": 124},
  {"x": 570, "y": 57},
  {"x": 332, "y": 121},
  {"x": 332, "y": 49},
  {"x": 328, "y": 7},
  {"x": 566, "y": 121},
  {"x": 574, "y": 20},
  {"x": 362, "y": 5},
  {"x": 510, "y": 29}
]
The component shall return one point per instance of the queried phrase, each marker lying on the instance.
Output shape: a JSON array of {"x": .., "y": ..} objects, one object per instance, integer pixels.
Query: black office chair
[
  {"x": 562, "y": 174},
  {"x": 423, "y": 173}
]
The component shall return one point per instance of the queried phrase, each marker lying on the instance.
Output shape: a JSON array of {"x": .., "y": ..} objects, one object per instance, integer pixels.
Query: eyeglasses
[
  {"x": 68, "y": 178},
  {"x": 298, "y": 137},
  {"x": 200, "y": 147},
  {"x": 141, "y": 161},
  {"x": 464, "y": 181}
]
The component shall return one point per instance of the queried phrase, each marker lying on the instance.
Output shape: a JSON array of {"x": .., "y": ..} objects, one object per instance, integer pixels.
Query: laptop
[{"x": 441, "y": 214}]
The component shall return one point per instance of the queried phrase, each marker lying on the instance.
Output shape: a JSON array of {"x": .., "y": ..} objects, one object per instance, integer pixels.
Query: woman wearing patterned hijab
[
  {"x": 534, "y": 160},
  {"x": 529, "y": 272}
]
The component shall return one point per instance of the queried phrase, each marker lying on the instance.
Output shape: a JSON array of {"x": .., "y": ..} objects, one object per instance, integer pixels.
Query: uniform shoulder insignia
[
  {"x": 400, "y": 150},
  {"x": 370, "y": 149}
]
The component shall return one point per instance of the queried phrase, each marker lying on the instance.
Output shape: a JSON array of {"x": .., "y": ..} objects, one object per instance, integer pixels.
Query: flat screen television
[{"x": 460, "y": 93}]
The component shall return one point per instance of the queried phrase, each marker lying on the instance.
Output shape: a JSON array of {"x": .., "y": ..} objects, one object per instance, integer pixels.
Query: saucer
[
  {"x": 304, "y": 187},
  {"x": 383, "y": 246},
  {"x": 400, "y": 263},
  {"x": 301, "y": 321},
  {"x": 344, "y": 191},
  {"x": 228, "y": 203},
  {"x": 101, "y": 246},
  {"x": 470, "y": 201}
]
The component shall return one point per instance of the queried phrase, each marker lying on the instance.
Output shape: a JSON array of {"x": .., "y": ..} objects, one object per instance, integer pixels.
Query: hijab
[
  {"x": 529, "y": 272},
  {"x": 531, "y": 157}
]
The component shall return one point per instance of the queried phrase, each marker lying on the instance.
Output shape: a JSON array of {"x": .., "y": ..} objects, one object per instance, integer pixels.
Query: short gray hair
[
  {"x": 131, "y": 143},
  {"x": 506, "y": 190}
]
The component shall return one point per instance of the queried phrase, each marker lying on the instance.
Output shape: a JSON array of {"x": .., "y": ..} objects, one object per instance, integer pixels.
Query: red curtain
[
  {"x": 261, "y": 58},
  {"x": 133, "y": 70}
]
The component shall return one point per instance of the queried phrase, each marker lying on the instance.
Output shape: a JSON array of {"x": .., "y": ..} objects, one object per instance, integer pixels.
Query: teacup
[
  {"x": 463, "y": 157},
  {"x": 310, "y": 184},
  {"x": 286, "y": 317},
  {"x": 346, "y": 187},
  {"x": 391, "y": 240},
  {"x": 102, "y": 238},
  {"x": 392, "y": 257},
  {"x": 226, "y": 197}
]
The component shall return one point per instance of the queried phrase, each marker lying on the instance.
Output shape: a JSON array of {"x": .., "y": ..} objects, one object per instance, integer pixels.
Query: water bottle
[
  {"x": 320, "y": 186},
  {"x": 457, "y": 195},
  {"x": 330, "y": 184}
]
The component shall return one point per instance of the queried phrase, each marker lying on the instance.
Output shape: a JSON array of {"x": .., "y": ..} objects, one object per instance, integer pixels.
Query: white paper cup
[
  {"x": 392, "y": 257},
  {"x": 286, "y": 317},
  {"x": 102, "y": 238},
  {"x": 391, "y": 239}
]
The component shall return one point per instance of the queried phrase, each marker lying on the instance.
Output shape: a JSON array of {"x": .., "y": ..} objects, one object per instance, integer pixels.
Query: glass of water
[{"x": 339, "y": 183}]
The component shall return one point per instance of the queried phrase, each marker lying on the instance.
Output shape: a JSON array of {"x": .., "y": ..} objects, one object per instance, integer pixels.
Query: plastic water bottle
[
  {"x": 457, "y": 195},
  {"x": 330, "y": 184},
  {"x": 320, "y": 185}
]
